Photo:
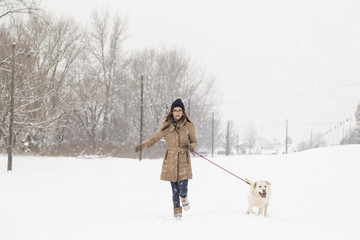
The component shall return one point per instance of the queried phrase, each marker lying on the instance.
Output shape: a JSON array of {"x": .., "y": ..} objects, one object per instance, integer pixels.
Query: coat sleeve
[
  {"x": 192, "y": 135},
  {"x": 155, "y": 139}
]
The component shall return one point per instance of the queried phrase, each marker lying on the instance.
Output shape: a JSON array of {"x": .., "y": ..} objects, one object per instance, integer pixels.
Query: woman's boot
[
  {"x": 185, "y": 203},
  {"x": 178, "y": 212}
]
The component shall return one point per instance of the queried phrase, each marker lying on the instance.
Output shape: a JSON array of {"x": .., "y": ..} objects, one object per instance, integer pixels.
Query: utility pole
[
  {"x": 12, "y": 93},
  {"x": 212, "y": 136},
  {"x": 141, "y": 112},
  {"x": 349, "y": 128},
  {"x": 189, "y": 107},
  {"x": 286, "y": 139},
  {"x": 250, "y": 139},
  {"x": 237, "y": 143},
  {"x": 228, "y": 139}
]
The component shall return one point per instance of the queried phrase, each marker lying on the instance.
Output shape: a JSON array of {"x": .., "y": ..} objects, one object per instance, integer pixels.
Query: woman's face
[{"x": 177, "y": 113}]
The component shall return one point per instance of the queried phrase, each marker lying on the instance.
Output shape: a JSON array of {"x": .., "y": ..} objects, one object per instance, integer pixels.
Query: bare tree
[
  {"x": 89, "y": 103},
  {"x": 168, "y": 74},
  {"x": 41, "y": 95},
  {"x": 318, "y": 140},
  {"x": 12, "y": 7},
  {"x": 76, "y": 90},
  {"x": 99, "y": 78},
  {"x": 106, "y": 49},
  {"x": 304, "y": 145},
  {"x": 251, "y": 135}
]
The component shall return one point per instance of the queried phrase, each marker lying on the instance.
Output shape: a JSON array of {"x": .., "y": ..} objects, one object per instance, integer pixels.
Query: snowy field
[{"x": 316, "y": 195}]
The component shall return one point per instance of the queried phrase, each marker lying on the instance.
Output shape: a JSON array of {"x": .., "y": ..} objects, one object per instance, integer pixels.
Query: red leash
[{"x": 219, "y": 166}]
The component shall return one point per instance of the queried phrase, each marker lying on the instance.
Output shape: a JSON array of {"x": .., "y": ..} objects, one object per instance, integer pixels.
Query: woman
[{"x": 180, "y": 137}]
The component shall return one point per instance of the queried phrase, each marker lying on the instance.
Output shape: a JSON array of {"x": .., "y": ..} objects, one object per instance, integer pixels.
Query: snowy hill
[{"x": 315, "y": 196}]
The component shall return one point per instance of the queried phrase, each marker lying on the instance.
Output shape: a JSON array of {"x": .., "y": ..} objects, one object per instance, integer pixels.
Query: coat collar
[{"x": 181, "y": 124}]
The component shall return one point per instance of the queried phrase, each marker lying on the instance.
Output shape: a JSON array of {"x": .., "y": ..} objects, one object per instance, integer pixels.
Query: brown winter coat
[{"x": 177, "y": 164}]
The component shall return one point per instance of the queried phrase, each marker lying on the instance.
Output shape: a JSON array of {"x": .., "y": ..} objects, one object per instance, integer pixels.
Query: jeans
[{"x": 179, "y": 189}]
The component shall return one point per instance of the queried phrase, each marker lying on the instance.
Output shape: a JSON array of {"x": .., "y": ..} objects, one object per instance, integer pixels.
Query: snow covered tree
[
  {"x": 354, "y": 134},
  {"x": 41, "y": 96},
  {"x": 99, "y": 78},
  {"x": 107, "y": 61},
  {"x": 251, "y": 136},
  {"x": 15, "y": 7},
  {"x": 78, "y": 93},
  {"x": 318, "y": 140},
  {"x": 168, "y": 74},
  {"x": 303, "y": 145}
]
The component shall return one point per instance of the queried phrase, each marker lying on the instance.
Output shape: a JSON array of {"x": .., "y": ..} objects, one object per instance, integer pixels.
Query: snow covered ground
[{"x": 315, "y": 196}]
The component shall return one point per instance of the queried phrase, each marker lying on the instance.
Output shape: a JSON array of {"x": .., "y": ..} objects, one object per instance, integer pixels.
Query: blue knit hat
[{"x": 178, "y": 103}]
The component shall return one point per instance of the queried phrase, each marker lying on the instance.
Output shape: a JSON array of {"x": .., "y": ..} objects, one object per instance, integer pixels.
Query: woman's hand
[
  {"x": 191, "y": 149},
  {"x": 138, "y": 148}
]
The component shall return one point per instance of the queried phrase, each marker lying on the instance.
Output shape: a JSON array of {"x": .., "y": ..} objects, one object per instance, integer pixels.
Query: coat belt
[{"x": 177, "y": 149}]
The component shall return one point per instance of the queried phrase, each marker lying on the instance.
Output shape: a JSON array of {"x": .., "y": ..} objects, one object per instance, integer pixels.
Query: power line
[
  {"x": 280, "y": 124},
  {"x": 294, "y": 95}
]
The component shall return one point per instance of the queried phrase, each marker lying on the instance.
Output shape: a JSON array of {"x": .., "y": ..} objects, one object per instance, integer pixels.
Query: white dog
[{"x": 259, "y": 196}]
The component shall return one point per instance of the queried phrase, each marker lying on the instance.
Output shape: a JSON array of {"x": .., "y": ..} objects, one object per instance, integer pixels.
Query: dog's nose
[{"x": 264, "y": 190}]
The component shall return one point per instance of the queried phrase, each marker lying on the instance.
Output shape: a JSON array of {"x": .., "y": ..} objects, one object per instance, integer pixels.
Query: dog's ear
[
  {"x": 268, "y": 183},
  {"x": 254, "y": 185}
]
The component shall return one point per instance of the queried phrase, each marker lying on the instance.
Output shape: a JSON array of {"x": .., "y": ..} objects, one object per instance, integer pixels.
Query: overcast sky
[{"x": 273, "y": 60}]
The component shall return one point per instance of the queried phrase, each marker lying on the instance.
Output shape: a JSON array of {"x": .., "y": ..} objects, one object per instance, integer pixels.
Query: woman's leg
[
  {"x": 183, "y": 191},
  {"x": 175, "y": 194},
  {"x": 183, "y": 188}
]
